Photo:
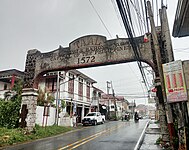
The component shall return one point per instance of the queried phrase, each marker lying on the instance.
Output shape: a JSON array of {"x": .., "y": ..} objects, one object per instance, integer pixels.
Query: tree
[
  {"x": 44, "y": 98},
  {"x": 10, "y": 108}
]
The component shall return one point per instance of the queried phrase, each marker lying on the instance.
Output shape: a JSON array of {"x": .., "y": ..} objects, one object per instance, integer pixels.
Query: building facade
[{"x": 73, "y": 88}]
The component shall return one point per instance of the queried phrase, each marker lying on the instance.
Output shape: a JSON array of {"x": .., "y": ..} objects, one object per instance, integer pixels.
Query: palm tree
[{"x": 44, "y": 98}]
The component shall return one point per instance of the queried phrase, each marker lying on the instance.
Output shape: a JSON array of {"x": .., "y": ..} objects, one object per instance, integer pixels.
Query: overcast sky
[{"x": 46, "y": 24}]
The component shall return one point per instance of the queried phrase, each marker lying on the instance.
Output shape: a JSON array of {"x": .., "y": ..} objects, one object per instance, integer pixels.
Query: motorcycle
[{"x": 136, "y": 118}]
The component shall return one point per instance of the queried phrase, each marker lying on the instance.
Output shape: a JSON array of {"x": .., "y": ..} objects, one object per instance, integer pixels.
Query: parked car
[{"x": 93, "y": 118}]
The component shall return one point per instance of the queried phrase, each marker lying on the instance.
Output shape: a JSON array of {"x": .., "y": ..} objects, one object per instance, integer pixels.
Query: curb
[{"x": 141, "y": 138}]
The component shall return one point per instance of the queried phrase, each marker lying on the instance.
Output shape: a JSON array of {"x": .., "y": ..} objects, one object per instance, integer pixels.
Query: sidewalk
[{"x": 152, "y": 133}]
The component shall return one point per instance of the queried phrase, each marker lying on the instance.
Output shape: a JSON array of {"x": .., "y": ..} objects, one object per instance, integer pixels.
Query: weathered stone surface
[
  {"x": 29, "y": 98},
  {"x": 86, "y": 51}
]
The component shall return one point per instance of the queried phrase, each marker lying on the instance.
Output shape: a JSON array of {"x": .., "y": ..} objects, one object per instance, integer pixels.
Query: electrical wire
[
  {"x": 157, "y": 10},
  {"x": 118, "y": 16},
  {"x": 126, "y": 17},
  {"x": 100, "y": 18}
]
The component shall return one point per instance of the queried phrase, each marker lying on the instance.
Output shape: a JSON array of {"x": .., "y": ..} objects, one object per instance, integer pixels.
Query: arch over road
[{"x": 86, "y": 51}]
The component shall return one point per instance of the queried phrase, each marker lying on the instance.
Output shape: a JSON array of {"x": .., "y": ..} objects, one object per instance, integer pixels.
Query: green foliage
[
  {"x": 44, "y": 98},
  {"x": 9, "y": 110},
  {"x": 12, "y": 136},
  {"x": 63, "y": 104},
  {"x": 159, "y": 141}
]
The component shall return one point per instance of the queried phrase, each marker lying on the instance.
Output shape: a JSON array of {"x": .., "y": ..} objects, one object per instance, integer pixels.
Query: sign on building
[{"x": 174, "y": 82}]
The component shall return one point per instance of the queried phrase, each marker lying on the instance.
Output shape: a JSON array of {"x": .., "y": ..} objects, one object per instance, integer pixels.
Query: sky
[{"x": 46, "y": 24}]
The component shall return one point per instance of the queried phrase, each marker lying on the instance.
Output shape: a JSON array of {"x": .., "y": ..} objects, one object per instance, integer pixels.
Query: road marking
[{"x": 89, "y": 138}]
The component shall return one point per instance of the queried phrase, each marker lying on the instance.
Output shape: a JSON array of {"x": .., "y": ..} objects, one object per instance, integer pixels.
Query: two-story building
[{"x": 74, "y": 87}]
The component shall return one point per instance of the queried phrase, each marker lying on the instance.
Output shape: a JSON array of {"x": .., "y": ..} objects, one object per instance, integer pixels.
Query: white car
[{"x": 93, "y": 118}]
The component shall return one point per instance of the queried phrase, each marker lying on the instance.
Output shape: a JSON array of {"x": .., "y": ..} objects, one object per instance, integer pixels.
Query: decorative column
[{"x": 28, "y": 108}]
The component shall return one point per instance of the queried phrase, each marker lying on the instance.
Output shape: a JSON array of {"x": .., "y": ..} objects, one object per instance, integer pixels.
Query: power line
[
  {"x": 127, "y": 21},
  {"x": 118, "y": 16},
  {"x": 100, "y": 18}
]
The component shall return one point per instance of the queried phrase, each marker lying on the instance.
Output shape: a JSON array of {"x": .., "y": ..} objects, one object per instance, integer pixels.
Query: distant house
[
  {"x": 8, "y": 79},
  {"x": 114, "y": 104},
  {"x": 132, "y": 108},
  {"x": 142, "y": 109}
]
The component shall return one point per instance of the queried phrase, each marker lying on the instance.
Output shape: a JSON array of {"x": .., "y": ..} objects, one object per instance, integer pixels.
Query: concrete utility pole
[
  {"x": 178, "y": 107},
  {"x": 57, "y": 97},
  {"x": 108, "y": 89},
  {"x": 165, "y": 34},
  {"x": 114, "y": 101},
  {"x": 161, "y": 86},
  {"x": 169, "y": 57}
]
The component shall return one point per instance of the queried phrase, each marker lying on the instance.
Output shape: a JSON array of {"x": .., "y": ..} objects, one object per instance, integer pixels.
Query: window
[
  {"x": 80, "y": 88},
  {"x": 71, "y": 84},
  {"x": 5, "y": 86},
  {"x": 51, "y": 84},
  {"x": 88, "y": 90}
]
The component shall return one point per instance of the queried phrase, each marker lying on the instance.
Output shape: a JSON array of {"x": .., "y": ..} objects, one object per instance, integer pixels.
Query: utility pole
[
  {"x": 108, "y": 88},
  {"x": 161, "y": 86},
  {"x": 180, "y": 106},
  {"x": 57, "y": 97},
  {"x": 114, "y": 101},
  {"x": 169, "y": 57}
]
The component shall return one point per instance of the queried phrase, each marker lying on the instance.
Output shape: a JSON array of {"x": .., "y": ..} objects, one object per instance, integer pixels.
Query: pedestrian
[
  {"x": 136, "y": 117},
  {"x": 75, "y": 120}
]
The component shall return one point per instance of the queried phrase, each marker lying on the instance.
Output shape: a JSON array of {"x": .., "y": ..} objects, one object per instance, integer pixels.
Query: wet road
[{"x": 113, "y": 135}]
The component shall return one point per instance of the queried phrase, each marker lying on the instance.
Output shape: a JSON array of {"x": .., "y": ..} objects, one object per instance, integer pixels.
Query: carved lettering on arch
[{"x": 86, "y": 51}]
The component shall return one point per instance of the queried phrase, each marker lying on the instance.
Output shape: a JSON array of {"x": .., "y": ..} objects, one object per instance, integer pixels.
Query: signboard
[{"x": 174, "y": 82}]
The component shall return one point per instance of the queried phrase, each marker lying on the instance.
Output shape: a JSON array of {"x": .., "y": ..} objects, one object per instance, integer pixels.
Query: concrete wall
[{"x": 39, "y": 116}]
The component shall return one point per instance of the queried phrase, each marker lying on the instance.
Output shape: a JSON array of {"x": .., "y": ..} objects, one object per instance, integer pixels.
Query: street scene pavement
[
  {"x": 112, "y": 135},
  {"x": 152, "y": 133}
]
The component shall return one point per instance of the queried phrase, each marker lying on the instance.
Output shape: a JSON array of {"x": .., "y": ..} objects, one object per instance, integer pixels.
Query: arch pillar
[{"x": 28, "y": 108}]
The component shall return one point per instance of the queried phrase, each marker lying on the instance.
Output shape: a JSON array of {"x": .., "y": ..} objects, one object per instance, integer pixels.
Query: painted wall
[{"x": 39, "y": 116}]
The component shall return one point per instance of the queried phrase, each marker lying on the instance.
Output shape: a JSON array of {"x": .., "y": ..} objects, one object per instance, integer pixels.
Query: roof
[
  {"x": 6, "y": 74},
  {"x": 80, "y": 74},
  {"x": 181, "y": 23},
  {"x": 97, "y": 89},
  {"x": 75, "y": 72},
  {"x": 110, "y": 96}
]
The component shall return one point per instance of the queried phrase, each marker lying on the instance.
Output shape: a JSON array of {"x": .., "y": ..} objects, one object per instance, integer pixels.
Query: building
[
  {"x": 115, "y": 105},
  {"x": 73, "y": 87},
  {"x": 8, "y": 79},
  {"x": 95, "y": 103}
]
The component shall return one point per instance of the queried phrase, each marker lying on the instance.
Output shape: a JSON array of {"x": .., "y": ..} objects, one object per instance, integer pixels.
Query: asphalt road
[{"x": 113, "y": 135}]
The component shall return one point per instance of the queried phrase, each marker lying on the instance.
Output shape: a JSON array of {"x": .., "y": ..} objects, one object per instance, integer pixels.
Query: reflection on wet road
[{"x": 111, "y": 135}]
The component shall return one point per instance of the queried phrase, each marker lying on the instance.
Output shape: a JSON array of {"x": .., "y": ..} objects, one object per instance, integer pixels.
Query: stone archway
[{"x": 86, "y": 51}]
